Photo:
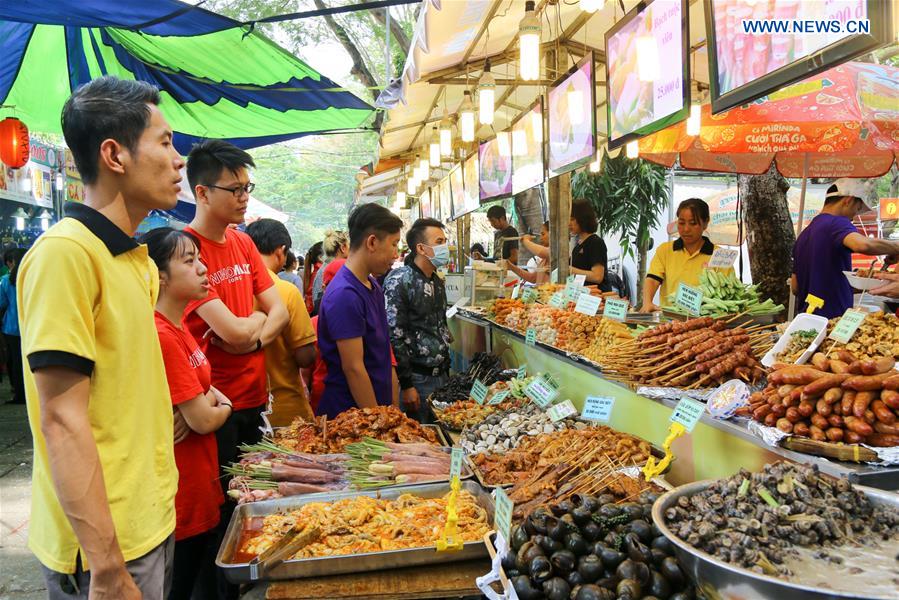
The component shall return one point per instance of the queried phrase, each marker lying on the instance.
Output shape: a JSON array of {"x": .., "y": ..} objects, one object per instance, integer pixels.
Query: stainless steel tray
[
  {"x": 729, "y": 582},
  {"x": 355, "y": 563}
]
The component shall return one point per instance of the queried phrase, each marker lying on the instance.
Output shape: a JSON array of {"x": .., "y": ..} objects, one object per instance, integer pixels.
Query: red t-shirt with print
[
  {"x": 199, "y": 492},
  {"x": 236, "y": 276}
]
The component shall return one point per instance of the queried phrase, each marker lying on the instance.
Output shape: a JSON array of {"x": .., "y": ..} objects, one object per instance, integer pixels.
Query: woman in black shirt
[{"x": 589, "y": 256}]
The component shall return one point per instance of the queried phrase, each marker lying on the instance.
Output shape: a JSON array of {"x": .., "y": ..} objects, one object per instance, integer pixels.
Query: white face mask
[{"x": 441, "y": 256}]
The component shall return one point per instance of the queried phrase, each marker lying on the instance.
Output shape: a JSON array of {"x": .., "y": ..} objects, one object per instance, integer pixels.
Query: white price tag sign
[
  {"x": 559, "y": 411},
  {"x": 598, "y": 408},
  {"x": 456, "y": 463},
  {"x": 687, "y": 413},
  {"x": 580, "y": 280},
  {"x": 588, "y": 305},
  {"x": 723, "y": 258}
]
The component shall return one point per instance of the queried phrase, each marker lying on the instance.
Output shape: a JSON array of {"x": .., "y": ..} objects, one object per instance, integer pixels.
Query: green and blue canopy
[{"x": 217, "y": 77}]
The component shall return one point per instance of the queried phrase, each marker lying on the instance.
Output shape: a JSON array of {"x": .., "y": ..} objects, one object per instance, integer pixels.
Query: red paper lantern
[{"x": 14, "y": 146}]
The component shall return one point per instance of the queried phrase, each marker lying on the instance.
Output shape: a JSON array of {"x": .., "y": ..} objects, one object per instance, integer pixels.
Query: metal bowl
[{"x": 718, "y": 580}]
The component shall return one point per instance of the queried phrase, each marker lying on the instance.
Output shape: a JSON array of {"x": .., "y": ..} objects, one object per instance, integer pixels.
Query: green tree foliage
[
  {"x": 312, "y": 180},
  {"x": 628, "y": 196}
]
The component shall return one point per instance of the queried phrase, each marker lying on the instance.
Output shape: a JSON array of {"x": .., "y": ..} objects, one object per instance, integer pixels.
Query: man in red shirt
[{"x": 233, "y": 332}]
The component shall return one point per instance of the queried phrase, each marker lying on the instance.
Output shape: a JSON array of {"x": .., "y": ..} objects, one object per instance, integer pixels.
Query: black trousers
[
  {"x": 189, "y": 556},
  {"x": 242, "y": 427},
  {"x": 14, "y": 367}
]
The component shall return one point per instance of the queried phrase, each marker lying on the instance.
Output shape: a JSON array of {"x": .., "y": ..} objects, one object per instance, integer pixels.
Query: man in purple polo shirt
[
  {"x": 353, "y": 336},
  {"x": 824, "y": 249}
]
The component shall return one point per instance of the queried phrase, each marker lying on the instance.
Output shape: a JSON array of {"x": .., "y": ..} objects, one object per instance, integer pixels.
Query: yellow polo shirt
[
  {"x": 673, "y": 265},
  {"x": 86, "y": 295},
  {"x": 286, "y": 386}
]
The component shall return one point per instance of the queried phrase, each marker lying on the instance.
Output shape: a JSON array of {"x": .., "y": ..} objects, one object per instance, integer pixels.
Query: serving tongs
[{"x": 289, "y": 544}]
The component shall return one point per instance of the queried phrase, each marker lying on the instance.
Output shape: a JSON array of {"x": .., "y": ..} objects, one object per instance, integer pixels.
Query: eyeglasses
[{"x": 237, "y": 191}]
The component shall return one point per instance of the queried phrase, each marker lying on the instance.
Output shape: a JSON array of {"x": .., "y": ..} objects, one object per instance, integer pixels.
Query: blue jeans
[{"x": 426, "y": 385}]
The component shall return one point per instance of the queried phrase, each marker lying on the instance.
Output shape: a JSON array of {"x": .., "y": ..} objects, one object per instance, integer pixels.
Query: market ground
[{"x": 20, "y": 576}]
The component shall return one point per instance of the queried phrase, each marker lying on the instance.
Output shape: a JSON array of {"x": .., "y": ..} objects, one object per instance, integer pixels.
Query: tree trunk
[
  {"x": 769, "y": 232},
  {"x": 396, "y": 29},
  {"x": 359, "y": 70}
]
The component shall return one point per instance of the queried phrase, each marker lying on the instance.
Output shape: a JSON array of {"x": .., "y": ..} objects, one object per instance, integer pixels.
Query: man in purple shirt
[
  {"x": 353, "y": 336},
  {"x": 824, "y": 249}
]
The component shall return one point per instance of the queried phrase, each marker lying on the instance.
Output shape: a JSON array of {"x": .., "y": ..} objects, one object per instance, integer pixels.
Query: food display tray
[
  {"x": 657, "y": 452},
  {"x": 730, "y": 581},
  {"x": 355, "y": 563}
]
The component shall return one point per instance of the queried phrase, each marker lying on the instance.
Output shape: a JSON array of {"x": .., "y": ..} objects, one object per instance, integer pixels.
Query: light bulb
[
  {"x": 434, "y": 148},
  {"x": 591, "y": 6},
  {"x": 633, "y": 149},
  {"x": 519, "y": 143},
  {"x": 537, "y": 123},
  {"x": 529, "y": 30},
  {"x": 576, "y": 106},
  {"x": 26, "y": 183},
  {"x": 401, "y": 198},
  {"x": 502, "y": 142},
  {"x": 466, "y": 118},
  {"x": 694, "y": 121},
  {"x": 425, "y": 167},
  {"x": 410, "y": 186},
  {"x": 446, "y": 136},
  {"x": 20, "y": 223},
  {"x": 486, "y": 96},
  {"x": 60, "y": 181},
  {"x": 647, "y": 58}
]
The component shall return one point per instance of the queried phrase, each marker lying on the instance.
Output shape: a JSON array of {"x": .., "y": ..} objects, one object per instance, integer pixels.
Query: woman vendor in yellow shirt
[{"x": 682, "y": 260}]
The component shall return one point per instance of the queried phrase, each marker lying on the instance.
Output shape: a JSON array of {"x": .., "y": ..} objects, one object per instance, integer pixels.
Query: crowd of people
[{"x": 162, "y": 355}]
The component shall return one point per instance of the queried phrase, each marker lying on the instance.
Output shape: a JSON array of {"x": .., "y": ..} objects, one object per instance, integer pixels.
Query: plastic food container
[
  {"x": 802, "y": 322},
  {"x": 862, "y": 283}
]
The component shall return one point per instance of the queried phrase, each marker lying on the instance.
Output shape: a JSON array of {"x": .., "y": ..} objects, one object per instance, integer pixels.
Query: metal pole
[{"x": 801, "y": 220}]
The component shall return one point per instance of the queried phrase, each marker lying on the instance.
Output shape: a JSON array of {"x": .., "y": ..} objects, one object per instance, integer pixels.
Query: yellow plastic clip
[
  {"x": 675, "y": 430},
  {"x": 449, "y": 540},
  {"x": 814, "y": 303}
]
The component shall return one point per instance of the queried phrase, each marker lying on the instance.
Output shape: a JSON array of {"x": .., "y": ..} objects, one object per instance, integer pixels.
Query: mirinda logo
[{"x": 229, "y": 274}]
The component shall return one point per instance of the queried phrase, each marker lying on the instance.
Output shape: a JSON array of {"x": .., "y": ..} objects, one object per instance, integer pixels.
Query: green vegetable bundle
[{"x": 723, "y": 294}]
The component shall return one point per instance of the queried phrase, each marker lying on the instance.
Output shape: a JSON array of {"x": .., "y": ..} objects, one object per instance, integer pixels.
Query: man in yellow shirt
[
  {"x": 104, "y": 479},
  {"x": 294, "y": 349}
]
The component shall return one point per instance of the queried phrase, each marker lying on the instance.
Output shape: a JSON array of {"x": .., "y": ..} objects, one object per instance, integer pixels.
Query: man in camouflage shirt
[{"x": 416, "y": 315}]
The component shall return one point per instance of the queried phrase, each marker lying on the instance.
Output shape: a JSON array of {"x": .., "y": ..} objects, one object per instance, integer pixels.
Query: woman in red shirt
[{"x": 182, "y": 278}]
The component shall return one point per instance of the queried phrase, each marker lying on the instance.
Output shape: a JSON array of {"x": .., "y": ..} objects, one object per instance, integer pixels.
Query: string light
[
  {"x": 466, "y": 118},
  {"x": 694, "y": 121},
  {"x": 446, "y": 135},
  {"x": 434, "y": 148},
  {"x": 647, "y": 58},
  {"x": 486, "y": 95},
  {"x": 424, "y": 166},
  {"x": 529, "y": 30},
  {"x": 633, "y": 149}
]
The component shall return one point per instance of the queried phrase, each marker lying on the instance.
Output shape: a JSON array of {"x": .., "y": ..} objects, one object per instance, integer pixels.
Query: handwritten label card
[
  {"x": 615, "y": 309},
  {"x": 557, "y": 300},
  {"x": 479, "y": 391},
  {"x": 498, "y": 397},
  {"x": 559, "y": 411},
  {"x": 456, "y": 462},
  {"x": 598, "y": 408},
  {"x": 502, "y": 513},
  {"x": 687, "y": 413},
  {"x": 847, "y": 326},
  {"x": 588, "y": 305},
  {"x": 689, "y": 298},
  {"x": 530, "y": 337},
  {"x": 723, "y": 258},
  {"x": 529, "y": 295},
  {"x": 541, "y": 392},
  {"x": 522, "y": 372}
]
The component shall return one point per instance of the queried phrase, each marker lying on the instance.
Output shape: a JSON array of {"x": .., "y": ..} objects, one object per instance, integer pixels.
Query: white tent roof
[{"x": 453, "y": 38}]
